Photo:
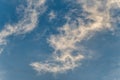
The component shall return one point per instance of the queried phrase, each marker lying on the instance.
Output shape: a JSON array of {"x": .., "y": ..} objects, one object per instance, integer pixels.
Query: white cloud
[
  {"x": 27, "y": 23},
  {"x": 64, "y": 44},
  {"x": 67, "y": 55},
  {"x": 52, "y": 15},
  {"x": 115, "y": 3},
  {"x": 66, "y": 62}
]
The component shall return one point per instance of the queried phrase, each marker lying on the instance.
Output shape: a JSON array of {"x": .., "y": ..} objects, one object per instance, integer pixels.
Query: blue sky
[{"x": 59, "y": 40}]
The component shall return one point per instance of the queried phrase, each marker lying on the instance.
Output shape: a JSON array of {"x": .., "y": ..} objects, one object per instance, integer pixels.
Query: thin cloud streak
[{"x": 26, "y": 24}]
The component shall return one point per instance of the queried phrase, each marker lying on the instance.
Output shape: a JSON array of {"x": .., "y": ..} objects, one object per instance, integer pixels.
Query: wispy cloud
[
  {"x": 67, "y": 55},
  {"x": 2, "y": 74},
  {"x": 26, "y": 24},
  {"x": 115, "y": 3},
  {"x": 114, "y": 73},
  {"x": 52, "y": 15},
  {"x": 1, "y": 50}
]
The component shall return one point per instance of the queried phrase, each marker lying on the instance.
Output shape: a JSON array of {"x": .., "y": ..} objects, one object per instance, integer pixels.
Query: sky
[{"x": 59, "y": 40}]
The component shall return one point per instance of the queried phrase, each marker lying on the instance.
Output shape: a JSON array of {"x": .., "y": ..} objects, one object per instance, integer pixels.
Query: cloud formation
[
  {"x": 114, "y": 72},
  {"x": 67, "y": 55},
  {"x": 2, "y": 74},
  {"x": 26, "y": 24},
  {"x": 115, "y": 3}
]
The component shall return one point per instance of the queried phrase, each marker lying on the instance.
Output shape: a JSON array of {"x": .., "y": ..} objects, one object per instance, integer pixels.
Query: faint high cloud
[
  {"x": 52, "y": 15},
  {"x": 26, "y": 24},
  {"x": 67, "y": 55},
  {"x": 114, "y": 73},
  {"x": 2, "y": 74},
  {"x": 115, "y": 3}
]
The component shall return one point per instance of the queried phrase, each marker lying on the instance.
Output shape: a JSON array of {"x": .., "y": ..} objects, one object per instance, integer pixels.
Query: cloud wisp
[
  {"x": 67, "y": 55},
  {"x": 26, "y": 24},
  {"x": 115, "y": 3},
  {"x": 2, "y": 75}
]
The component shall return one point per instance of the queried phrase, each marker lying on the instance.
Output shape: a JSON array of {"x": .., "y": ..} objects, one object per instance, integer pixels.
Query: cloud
[
  {"x": 114, "y": 72},
  {"x": 66, "y": 62},
  {"x": 1, "y": 50},
  {"x": 26, "y": 24},
  {"x": 52, "y": 15},
  {"x": 2, "y": 74},
  {"x": 67, "y": 54},
  {"x": 115, "y": 3}
]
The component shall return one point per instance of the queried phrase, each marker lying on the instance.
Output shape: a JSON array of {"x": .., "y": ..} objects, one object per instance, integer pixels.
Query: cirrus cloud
[
  {"x": 64, "y": 43},
  {"x": 26, "y": 24}
]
